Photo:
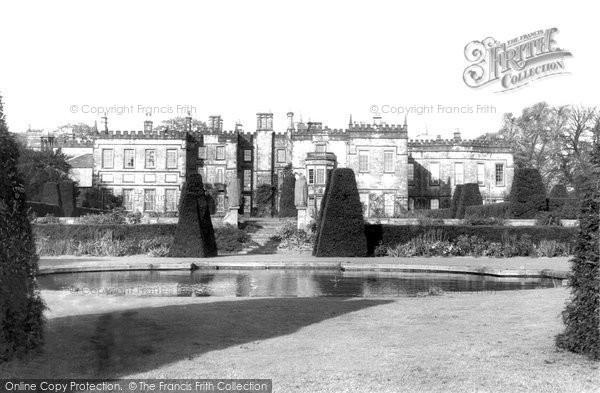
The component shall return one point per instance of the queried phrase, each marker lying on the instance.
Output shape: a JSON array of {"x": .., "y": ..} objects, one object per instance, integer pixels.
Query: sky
[{"x": 63, "y": 61}]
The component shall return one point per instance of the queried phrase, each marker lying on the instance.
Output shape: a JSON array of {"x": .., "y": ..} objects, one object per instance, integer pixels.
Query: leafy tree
[
  {"x": 178, "y": 124},
  {"x": 582, "y": 314},
  {"x": 21, "y": 308},
  {"x": 39, "y": 167}
]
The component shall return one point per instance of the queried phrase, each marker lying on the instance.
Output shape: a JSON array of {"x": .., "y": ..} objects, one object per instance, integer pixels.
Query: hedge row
[
  {"x": 438, "y": 213},
  {"x": 400, "y": 234},
  {"x": 495, "y": 210},
  {"x": 42, "y": 209},
  {"x": 95, "y": 232}
]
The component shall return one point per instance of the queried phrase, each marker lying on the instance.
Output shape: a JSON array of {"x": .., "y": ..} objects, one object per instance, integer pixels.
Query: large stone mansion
[{"x": 393, "y": 174}]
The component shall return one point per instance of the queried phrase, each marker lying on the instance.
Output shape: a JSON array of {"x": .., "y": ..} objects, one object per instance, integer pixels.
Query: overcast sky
[{"x": 323, "y": 61}]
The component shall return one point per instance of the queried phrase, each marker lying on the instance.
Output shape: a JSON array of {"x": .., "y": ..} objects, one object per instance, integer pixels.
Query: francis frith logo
[{"x": 514, "y": 63}]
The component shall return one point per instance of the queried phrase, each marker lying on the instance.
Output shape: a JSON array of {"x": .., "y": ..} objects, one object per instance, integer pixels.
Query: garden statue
[
  {"x": 233, "y": 196},
  {"x": 301, "y": 192}
]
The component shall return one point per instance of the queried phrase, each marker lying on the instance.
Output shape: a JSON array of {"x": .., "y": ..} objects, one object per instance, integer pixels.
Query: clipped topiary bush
[
  {"x": 527, "y": 194},
  {"x": 67, "y": 198},
  {"x": 582, "y": 315},
  {"x": 51, "y": 194},
  {"x": 469, "y": 196},
  {"x": 287, "y": 208},
  {"x": 341, "y": 231},
  {"x": 194, "y": 236},
  {"x": 456, "y": 199},
  {"x": 21, "y": 308}
]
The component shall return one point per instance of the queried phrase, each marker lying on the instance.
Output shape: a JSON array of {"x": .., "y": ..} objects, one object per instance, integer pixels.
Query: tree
[
  {"x": 178, "y": 124},
  {"x": 341, "y": 231},
  {"x": 582, "y": 314},
  {"x": 21, "y": 308},
  {"x": 39, "y": 167},
  {"x": 194, "y": 236},
  {"x": 527, "y": 194}
]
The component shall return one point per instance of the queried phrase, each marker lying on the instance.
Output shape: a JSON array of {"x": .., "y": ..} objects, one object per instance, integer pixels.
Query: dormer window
[{"x": 320, "y": 148}]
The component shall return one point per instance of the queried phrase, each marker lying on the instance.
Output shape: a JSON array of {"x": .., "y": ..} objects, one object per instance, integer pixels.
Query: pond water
[{"x": 280, "y": 283}]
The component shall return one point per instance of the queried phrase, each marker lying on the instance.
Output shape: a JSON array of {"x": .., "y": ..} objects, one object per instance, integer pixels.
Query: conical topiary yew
[
  {"x": 194, "y": 236},
  {"x": 341, "y": 228}
]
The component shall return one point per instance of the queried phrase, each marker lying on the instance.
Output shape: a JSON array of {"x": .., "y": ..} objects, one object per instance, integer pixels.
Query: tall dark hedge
[
  {"x": 469, "y": 196},
  {"x": 21, "y": 308},
  {"x": 582, "y": 315},
  {"x": 558, "y": 197},
  {"x": 527, "y": 193},
  {"x": 67, "y": 198},
  {"x": 456, "y": 199},
  {"x": 341, "y": 230},
  {"x": 194, "y": 236},
  {"x": 287, "y": 208}
]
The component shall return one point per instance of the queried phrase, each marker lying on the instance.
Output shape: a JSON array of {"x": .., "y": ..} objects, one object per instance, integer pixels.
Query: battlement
[
  {"x": 466, "y": 143},
  {"x": 141, "y": 135},
  {"x": 73, "y": 143}
]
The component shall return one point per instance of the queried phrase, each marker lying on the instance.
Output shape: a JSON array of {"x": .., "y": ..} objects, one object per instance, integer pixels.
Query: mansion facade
[{"x": 393, "y": 174}]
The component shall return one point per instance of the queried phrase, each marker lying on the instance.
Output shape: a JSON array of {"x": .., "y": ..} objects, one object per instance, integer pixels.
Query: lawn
[{"x": 485, "y": 342}]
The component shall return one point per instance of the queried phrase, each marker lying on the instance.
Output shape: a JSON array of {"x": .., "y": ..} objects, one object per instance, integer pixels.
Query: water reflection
[{"x": 279, "y": 283}]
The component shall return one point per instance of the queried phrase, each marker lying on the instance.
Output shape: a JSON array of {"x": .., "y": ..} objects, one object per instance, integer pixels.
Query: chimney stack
[
  {"x": 290, "y": 118},
  {"x": 264, "y": 122},
  {"x": 238, "y": 126},
  {"x": 188, "y": 123},
  {"x": 147, "y": 124},
  {"x": 104, "y": 123},
  {"x": 377, "y": 120},
  {"x": 457, "y": 134},
  {"x": 215, "y": 123}
]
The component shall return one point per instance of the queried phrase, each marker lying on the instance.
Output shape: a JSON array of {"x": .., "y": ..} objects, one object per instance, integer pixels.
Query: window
[
  {"x": 434, "y": 170},
  {"x": 128, "y": 199},
  {"x": 481, "y": 174},
  {"x": 247, "y": 155},
  {"x": 170, "y": 200},
  {"x": 411, "y": 173},
  {"x": 363, "y": 161},
  {"x": 247, "y": 180},
  {"x": 219, "y": 177},
  {"x": 388, "y": 161},
  {"x": 150, "y": 158},
  {"x": 171, "y": 158},
  {"x": 280, "y": 155},
  {"x": 107, "y": 158},
  {"x": 434, "y": 204},
  {"x": 311, "y": 176},
  {"x": 320, "y": 148},
  {"x": 221, "y": 202},
  {"x": 411, "y": 204},
  {"x": 320, "y": 176},
  {"x": 107, "y": 196},
  {"x": 202, "y": 152},
  {"x": 129, "y": 158},
  {"x": 459, "y": 173},
  {"x": 220, "y": 152},
  {"x": 388, "y": 205},
  {"x": 149, "y": 199},
  {"x": 499, "y": 175}
]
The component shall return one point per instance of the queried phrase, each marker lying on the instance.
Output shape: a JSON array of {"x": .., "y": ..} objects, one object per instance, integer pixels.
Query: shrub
[
  {"x": 292, "y": 239},
  {"x": 527, "y": 194},
  {"x": 491, "y": 210},
  {"x": 470, "y": 220},
  {"x": 469, "y": 196},
  {"x": 50, "y": 194},
  {"x": 231, "y": 239},
  {"x": 341, "y": 228},
  {"x": 582, "y": 314},
  {"x": 21, "y": 308},
  {"x": 456, "y": 199},
  {"x": 287, "y": 208},
  {"x": 43, "y": 209},
  {"x": 194, "y": 236}
]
